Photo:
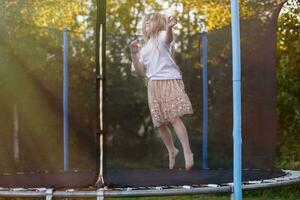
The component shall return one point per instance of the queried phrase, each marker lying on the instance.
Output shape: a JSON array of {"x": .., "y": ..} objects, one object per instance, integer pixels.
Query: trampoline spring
[
  {"x": 252, "y": 182},
  {"x": 187, "y": 187},
  {"x": 212, "y": 185},
  {"x": 158, "y": 188},
  {"x": 17, "y": 189},
  {"x": 39, "y": 189}
]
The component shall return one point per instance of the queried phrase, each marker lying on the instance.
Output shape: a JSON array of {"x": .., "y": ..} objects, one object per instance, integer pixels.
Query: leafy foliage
[{"x": 288, "y": 98}]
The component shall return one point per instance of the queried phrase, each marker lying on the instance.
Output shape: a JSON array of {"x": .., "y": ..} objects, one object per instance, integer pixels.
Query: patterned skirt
[{"x": 167, "y": 99}]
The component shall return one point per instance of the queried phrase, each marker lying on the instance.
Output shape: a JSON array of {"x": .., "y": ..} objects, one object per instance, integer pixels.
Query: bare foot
[
  {"x": 172, "y": 156},
  {"x": 189, "y": 161}
]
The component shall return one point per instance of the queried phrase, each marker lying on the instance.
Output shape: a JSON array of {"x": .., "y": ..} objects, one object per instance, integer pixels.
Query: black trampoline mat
[
  {"x": 130, "y": 178},
  {"x": 150, "y": 178},
  {"x": 57, "y": 180}
]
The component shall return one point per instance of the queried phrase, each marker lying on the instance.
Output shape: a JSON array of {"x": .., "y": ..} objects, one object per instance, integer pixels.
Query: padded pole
[
  {"x": 65, "y": 100},
  {"x": 205, "y": 96},
  {"x": 236, "y": 81}
]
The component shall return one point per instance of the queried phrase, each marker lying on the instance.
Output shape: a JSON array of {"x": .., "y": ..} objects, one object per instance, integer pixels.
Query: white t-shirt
[{"x": 157, "y": 57}]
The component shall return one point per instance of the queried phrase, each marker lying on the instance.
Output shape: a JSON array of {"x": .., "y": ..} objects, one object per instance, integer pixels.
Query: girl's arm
[
  {"x": 139, "y": 67},
  {"x": 169, "y": 35},
  {"x": 171, "y": 22},
  {"x": 173, "y": 52},
  {"x": 134, "y": 50}
]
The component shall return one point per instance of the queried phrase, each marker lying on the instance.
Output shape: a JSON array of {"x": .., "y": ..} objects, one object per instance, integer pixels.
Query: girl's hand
[
  {"x": 134, "y": 47},
  {"x": 172, "y": 21}
]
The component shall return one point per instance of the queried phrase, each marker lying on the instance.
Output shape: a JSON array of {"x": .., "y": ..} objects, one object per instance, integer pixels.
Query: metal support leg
[
  {"x": 49, "y": 194},
  {"x": 100, "y": 194}
]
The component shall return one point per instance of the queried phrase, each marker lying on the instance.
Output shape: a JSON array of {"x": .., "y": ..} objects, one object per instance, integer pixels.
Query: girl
[{"x": 167, "y": 98}]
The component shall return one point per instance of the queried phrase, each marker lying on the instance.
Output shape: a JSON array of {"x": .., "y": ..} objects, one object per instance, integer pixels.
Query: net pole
[
  {"x": 205, "y": 101},
  {"x": 65, "y": 99},
  {"x": 236, "y": 81}
]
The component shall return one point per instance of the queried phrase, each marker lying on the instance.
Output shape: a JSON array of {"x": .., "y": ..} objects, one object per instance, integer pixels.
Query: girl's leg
[
  {"x": 184, "y": 139},
  {"x": 166, "y": 137}
]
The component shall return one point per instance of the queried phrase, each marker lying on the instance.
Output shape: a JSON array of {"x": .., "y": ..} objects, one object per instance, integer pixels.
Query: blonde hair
[{"x": 159, "y": 22}]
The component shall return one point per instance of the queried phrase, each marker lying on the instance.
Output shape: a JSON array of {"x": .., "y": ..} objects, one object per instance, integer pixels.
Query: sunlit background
[{"x": 31, "y": 82}]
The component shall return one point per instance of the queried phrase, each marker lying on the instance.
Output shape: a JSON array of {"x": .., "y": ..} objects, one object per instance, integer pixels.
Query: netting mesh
[
  {"x": 134, "y": 145},
  {"x": 31, "y": 119},
  {"x": 31, "y": 90}
]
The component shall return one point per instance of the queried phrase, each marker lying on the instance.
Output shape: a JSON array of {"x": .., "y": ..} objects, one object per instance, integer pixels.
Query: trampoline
[
  {"x": 74, "y": 111},
  {"x": 290, "y": 177}
]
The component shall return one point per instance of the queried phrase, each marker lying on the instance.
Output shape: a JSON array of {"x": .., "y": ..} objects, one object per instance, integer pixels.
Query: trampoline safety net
[{"x": 50, "y": 106}]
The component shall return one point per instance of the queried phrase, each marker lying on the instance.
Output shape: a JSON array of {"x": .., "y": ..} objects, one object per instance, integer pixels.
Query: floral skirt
[{"x": 167, "y": 99}]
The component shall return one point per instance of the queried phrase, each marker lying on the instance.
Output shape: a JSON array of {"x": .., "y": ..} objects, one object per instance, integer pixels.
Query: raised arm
[
  {"x": 172, "y": 21},
  {"x": 169, "y": 35}
]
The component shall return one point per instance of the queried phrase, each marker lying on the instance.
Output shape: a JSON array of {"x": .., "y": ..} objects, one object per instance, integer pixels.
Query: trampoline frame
[{"x": 291, "y": 177}]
